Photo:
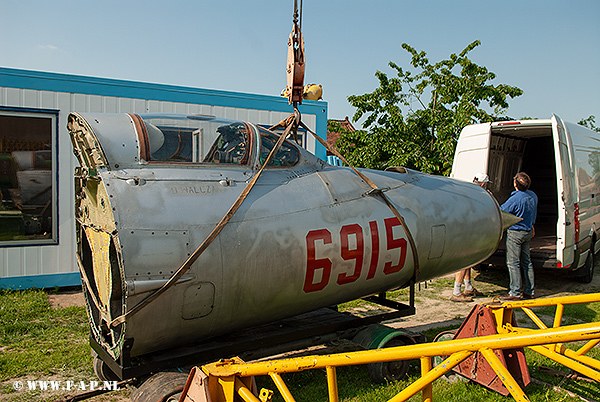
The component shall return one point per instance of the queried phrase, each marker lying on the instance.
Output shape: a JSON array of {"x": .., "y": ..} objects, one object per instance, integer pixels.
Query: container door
[
  {"x": 566, "y": 225},
  {"x": 472, "y": 152}
]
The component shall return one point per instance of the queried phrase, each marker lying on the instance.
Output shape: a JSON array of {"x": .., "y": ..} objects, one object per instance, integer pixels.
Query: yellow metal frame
[{"x": 235, "y": 375}]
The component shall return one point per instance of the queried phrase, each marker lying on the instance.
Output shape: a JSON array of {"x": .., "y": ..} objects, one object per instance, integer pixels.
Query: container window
[{"x": 28, "y": 193}]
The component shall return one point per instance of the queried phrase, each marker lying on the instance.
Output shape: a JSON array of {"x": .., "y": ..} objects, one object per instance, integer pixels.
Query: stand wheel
[
  {"x": 385, "y": 372},
  {"x": 378, "y": 336},
  {"x": 160, "y": 387},
  {"x": 442, "y": 336},
  {"x": 102, "y": 371}
]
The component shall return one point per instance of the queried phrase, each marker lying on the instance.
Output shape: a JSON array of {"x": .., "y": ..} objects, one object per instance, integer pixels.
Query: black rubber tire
[
  {"x": 386, "y": 372},
  {"x": 442, "y": 336},
  {"x": 160, "y": 387},
  {"x": 102, "y": 371},
  {"x": 587, "y": 271}
]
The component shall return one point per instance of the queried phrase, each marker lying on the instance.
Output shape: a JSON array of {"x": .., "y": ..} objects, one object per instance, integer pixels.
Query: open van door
[
  {"x": 567, "y": 225},
  {"x": 472, "y": 151}
]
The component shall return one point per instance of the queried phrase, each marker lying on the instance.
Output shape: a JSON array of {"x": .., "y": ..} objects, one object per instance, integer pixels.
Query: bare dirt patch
[
  {"x": 435, "y": 309},
  {"x": 68, "y": 298}
]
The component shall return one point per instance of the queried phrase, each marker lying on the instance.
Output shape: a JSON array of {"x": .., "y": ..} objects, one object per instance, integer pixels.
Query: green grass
[
  {"x": 355, "y": 385},
  {"x": 40, "y": 342},
  {"x": 37, "y": 338}
]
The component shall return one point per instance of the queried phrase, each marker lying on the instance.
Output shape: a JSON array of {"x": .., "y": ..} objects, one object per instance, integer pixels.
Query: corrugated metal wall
[{"x": 55, "y": 265}]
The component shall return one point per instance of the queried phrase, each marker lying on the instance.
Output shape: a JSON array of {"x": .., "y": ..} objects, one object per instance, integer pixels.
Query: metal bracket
[{"x": 377, "y": 191}]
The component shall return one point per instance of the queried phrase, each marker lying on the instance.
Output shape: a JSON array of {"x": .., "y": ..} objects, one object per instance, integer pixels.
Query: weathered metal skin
[{"x": 308, "y": 235}]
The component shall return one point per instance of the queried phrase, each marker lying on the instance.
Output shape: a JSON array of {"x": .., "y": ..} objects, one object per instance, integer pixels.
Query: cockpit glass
[
  {"x": 196, "y": 139},
  {"x": 287, "y": 155}
]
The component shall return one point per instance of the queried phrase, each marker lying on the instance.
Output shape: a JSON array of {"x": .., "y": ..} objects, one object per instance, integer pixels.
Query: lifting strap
[
  {"x": 292, "y": 124},
  {"x": 376, "y": 191},
  {"x": 295, "y": 86},
  {"x": 215, "y": 232}
]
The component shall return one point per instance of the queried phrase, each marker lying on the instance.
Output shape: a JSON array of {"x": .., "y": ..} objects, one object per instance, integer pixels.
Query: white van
[{"x": 563, "y": 161}]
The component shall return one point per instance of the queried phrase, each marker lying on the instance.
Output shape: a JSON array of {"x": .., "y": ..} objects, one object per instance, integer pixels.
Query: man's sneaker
[
  {"x": 461, "y": 298},
  {"x": 527, "y": 297},
  {"x": 474, "y": 293}
]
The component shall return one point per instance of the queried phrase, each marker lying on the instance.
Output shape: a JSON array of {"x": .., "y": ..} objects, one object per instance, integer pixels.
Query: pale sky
[{"x": 550, "y": 49}]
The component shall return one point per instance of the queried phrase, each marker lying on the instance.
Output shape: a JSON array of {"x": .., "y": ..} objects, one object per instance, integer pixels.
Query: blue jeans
[{"x": 518, "y": 262}]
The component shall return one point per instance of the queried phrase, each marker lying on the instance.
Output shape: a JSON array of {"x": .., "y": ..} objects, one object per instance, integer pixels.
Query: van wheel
[{"x": 587, "y": 271}]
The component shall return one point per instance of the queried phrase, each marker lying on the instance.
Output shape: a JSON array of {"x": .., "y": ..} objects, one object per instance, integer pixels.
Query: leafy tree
[
  {"x": 414, "y": 119},
  {"x": 590, "y": 123}
]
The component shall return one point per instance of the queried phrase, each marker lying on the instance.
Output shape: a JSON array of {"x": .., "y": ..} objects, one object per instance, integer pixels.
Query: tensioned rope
[
  {"x": 215, "y": 232},
  {"x": 292, "y": 124},
  {"x": 295, "y": 79},
  {"x": 377, "y": 190}
]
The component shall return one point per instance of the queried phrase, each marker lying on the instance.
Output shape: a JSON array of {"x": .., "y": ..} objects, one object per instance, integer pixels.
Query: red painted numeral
[
  {"x": 313, "y": 264},
  {"x": 392, "y": 244},
  {"x": 374, "y": 249},
  {"x": 348, "y": 254},
  {"x": 319, "y": 269}
]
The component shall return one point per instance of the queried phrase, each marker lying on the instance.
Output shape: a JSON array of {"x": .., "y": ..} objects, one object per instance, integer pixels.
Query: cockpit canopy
[
  {"x": 120, "y": 140},
  {"x": 195, "y": 139}
]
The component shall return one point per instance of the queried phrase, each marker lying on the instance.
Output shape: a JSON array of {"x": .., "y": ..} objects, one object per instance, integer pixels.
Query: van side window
[{"x": 287, "y": 155}]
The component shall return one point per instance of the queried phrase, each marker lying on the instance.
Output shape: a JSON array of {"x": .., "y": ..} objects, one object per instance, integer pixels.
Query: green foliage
[
  {"x": 448, "y": 95},
  {"x": 590, "y": 123}
]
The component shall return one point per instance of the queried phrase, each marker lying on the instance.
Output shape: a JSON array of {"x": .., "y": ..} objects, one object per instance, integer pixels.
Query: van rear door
[
  {"x": 472, "y": 151},
  {"x": 566, "y": 226}
]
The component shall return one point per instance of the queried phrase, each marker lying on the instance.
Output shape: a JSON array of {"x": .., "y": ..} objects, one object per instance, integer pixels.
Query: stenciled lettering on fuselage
[
  {"x": 318, "y": 239},
  {"x": 192, "y": 190}
]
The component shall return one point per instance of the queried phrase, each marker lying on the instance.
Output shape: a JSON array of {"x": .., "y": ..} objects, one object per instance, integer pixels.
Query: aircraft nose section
[{"x": 508, "y": 220}]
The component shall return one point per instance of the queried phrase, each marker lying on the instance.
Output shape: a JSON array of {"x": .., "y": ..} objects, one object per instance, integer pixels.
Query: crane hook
[{"x": 295, "y": 59}]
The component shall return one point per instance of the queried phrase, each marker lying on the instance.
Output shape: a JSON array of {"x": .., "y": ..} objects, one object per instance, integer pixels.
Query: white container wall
[{"x": 45, "y": 255}]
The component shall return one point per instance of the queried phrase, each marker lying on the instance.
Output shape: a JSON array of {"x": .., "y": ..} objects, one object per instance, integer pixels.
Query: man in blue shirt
[{"x": 522, "y": 203}]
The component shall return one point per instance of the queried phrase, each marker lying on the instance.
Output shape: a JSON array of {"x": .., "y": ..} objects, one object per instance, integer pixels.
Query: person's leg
[
  {"x": 467, "y": 280},
  {"x": 513, "y": 253},
  {"x": 457, "y": 295},
  {"x": 469, "y": 289},
  {"x": 467, "y": 272},
  {"x": 458, "y": 280},
  {"x": 527, "y": 267}
]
